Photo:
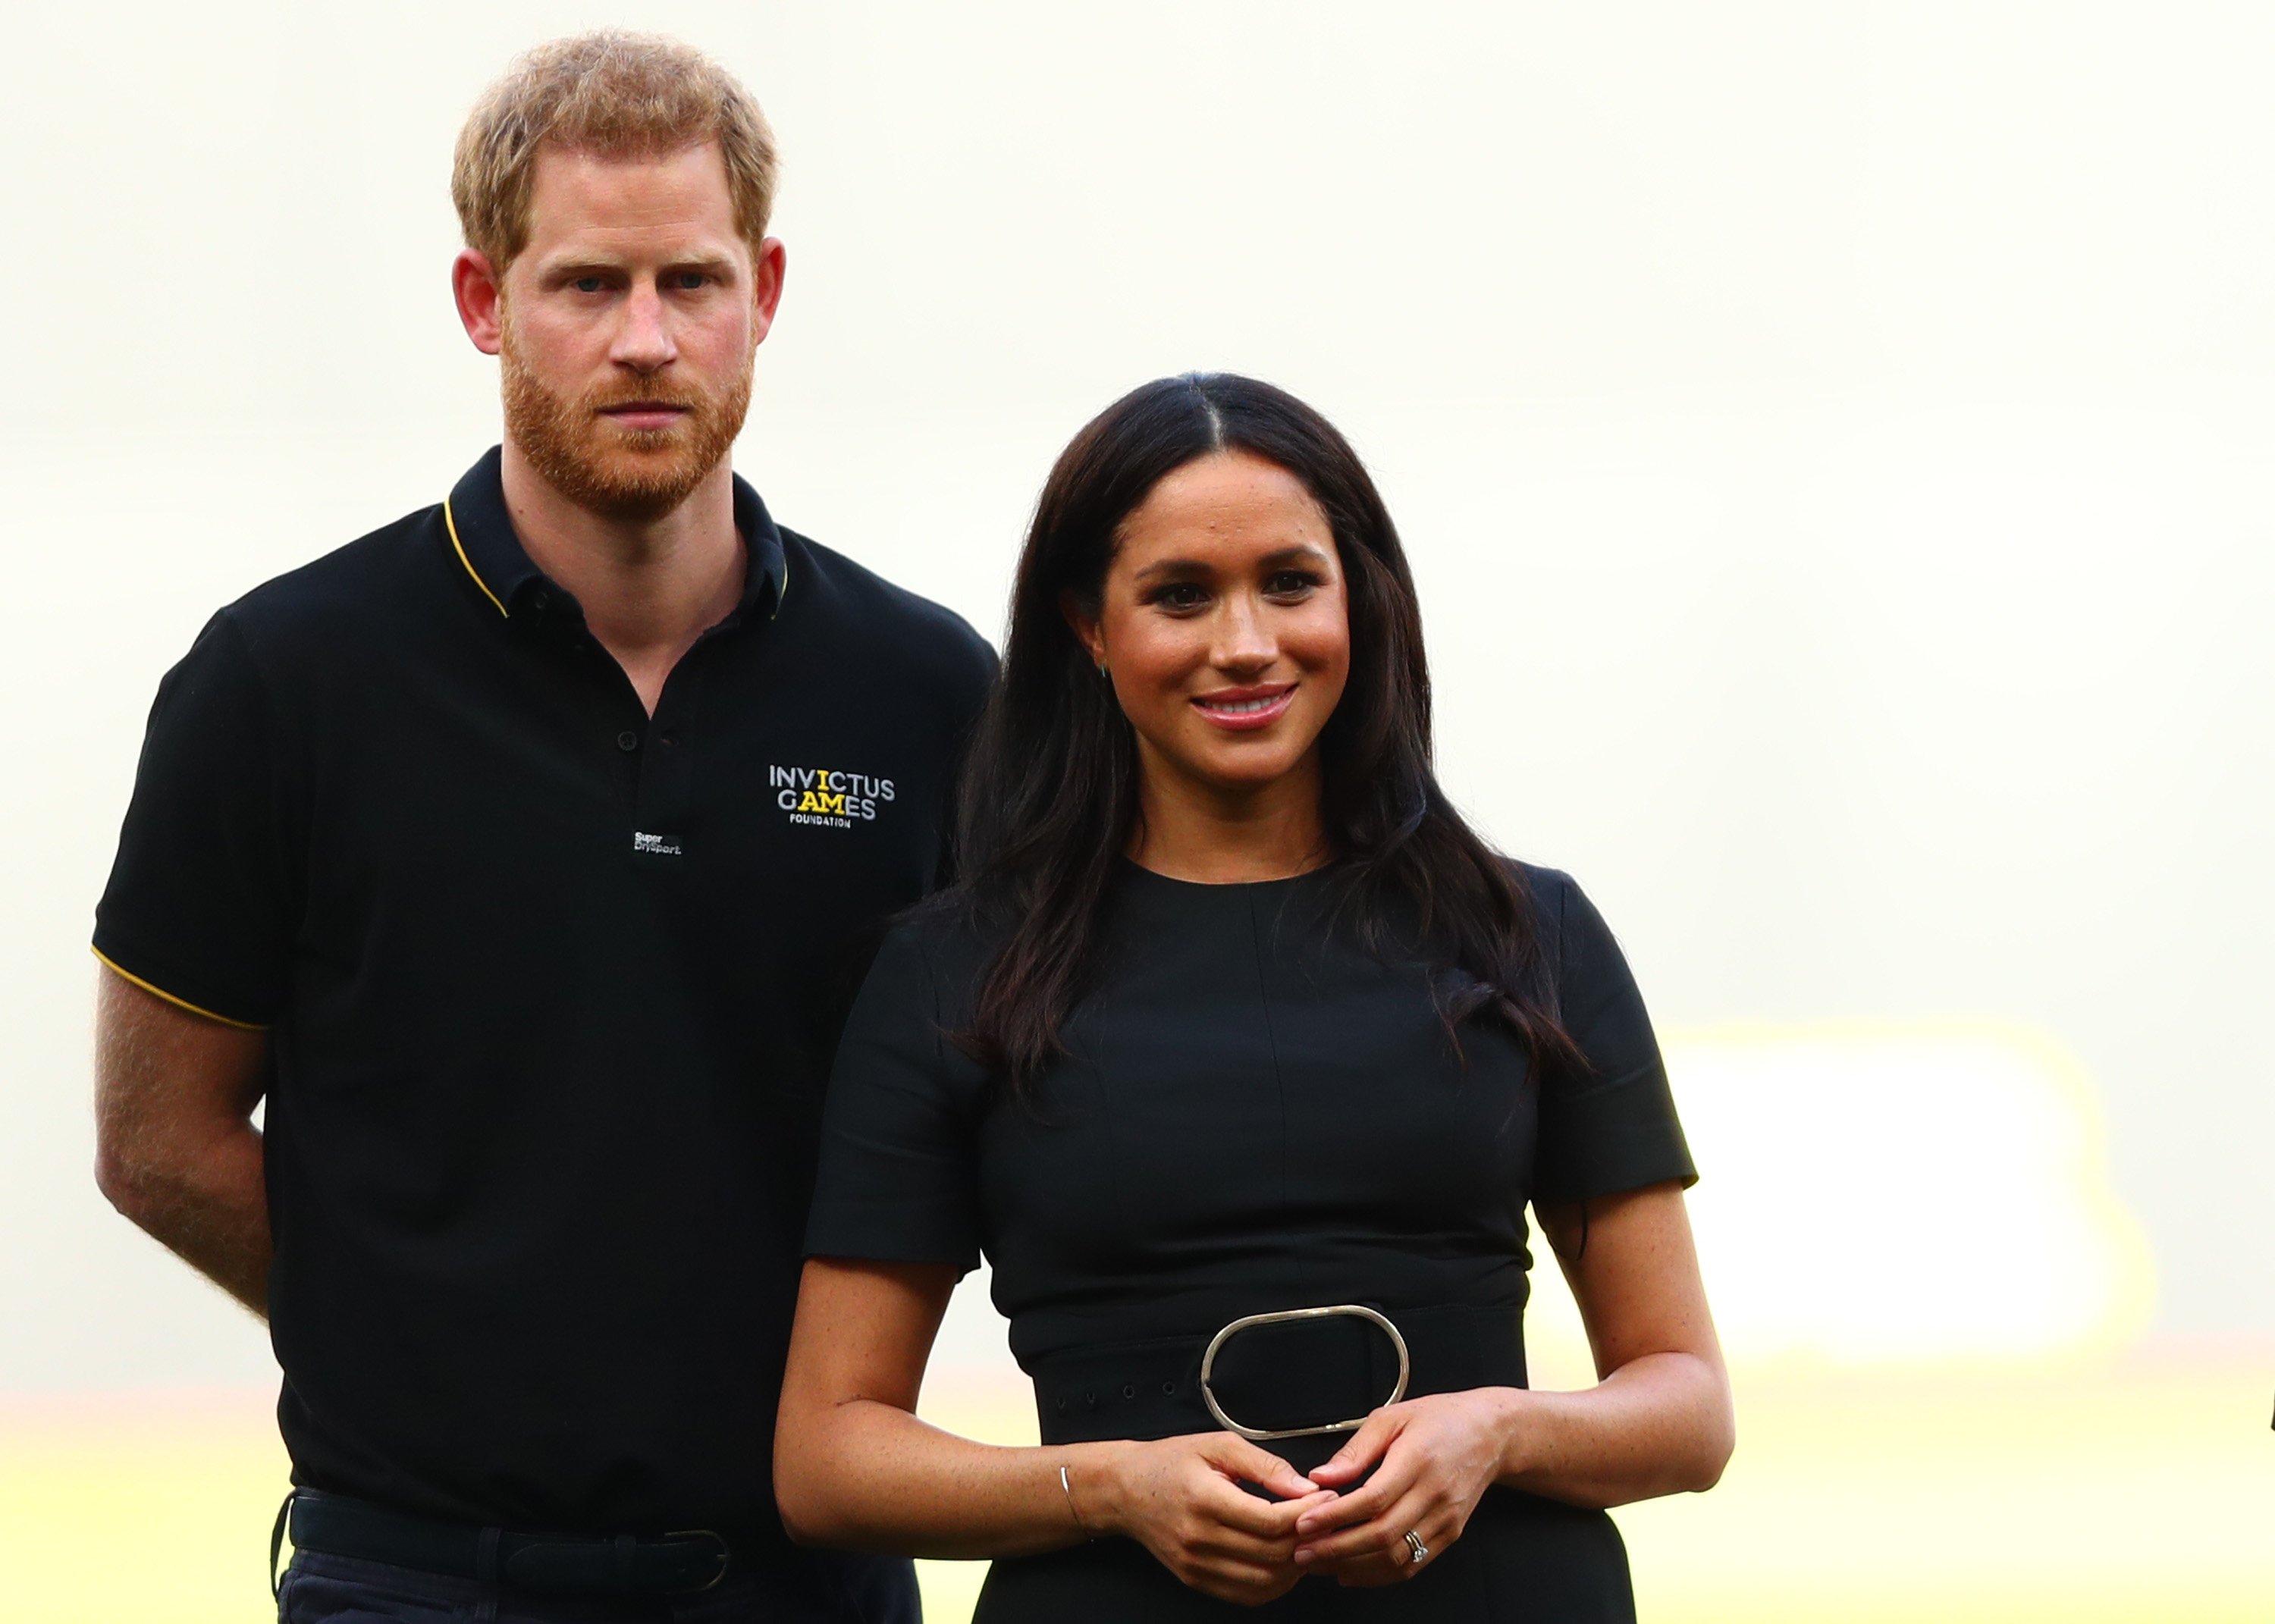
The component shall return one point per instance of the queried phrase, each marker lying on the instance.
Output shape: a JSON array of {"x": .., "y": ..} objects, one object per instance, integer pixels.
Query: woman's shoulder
[
  {"x": 948, "y": 938},
  {"x": 1572, "y": 932},
  {"x": 1568, "y": 924},
  {"x": 1549, "y": 890}
]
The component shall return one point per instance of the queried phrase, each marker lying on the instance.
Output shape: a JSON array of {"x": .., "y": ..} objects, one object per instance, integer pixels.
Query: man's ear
[
  {"x": 481, "y": 299},
  {"x": 1084, "y": 626},
  {"x": 767, "y": 271}
]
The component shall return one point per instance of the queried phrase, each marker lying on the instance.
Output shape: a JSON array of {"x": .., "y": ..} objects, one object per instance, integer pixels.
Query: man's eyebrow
[
  {"x": 568, "y": 270},
  {"x": 1298, "y": 554},
  {"x": 583, "y": 267}
]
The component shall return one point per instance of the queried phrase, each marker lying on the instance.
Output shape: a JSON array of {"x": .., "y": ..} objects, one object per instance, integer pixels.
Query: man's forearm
[
  {"x": 206, "y": 1204},
  {"x": 176, "y": 1149}
]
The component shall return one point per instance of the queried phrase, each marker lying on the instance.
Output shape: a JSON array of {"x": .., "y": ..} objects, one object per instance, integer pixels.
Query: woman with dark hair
[{"x": 1239, "y": 1054}]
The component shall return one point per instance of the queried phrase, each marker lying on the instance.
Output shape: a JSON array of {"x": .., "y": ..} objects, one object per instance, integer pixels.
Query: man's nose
[{"x": 644, "y": 342}]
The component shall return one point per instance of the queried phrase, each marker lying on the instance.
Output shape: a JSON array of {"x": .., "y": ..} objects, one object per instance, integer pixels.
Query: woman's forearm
[
  {"x": 1660, "y": 1424},
  {"x": 869, "y": 1476}
]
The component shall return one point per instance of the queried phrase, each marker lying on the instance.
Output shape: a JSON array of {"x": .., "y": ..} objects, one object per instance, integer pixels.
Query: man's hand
[{"x": 176, "y": 1149}]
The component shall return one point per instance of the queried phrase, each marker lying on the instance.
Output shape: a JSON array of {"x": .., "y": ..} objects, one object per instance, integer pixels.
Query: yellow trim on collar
[
  {"x": 180, "y": 1003},
  {"x": 452, "y": 525}
]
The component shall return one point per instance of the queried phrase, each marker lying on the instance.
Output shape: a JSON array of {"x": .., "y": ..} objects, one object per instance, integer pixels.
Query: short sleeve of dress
[
  {"x": 1615, "y": 1129},
  {"x": 898, "y": 1180},
  {"x": 198, "y": 908}
]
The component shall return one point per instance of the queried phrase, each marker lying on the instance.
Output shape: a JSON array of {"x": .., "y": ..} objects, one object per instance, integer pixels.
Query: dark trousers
[{"x": 322, "y": 1589}]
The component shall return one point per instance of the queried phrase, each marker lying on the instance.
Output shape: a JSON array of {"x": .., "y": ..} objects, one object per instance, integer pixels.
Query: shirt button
[{"x": 628, "y": 741}]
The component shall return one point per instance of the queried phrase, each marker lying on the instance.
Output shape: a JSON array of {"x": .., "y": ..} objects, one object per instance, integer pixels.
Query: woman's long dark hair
[{"x": 1050, "y": 789}]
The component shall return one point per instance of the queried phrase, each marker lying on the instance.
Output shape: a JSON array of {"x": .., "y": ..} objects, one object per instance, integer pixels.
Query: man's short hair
[{"x": 614, "y": 94}]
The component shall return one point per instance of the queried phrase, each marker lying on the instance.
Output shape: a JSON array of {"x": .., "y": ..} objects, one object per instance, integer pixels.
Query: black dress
[{"x": 1259, "y": 1114}]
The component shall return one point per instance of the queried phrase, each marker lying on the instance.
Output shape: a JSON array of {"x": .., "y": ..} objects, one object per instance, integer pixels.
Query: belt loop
[
  {"x": 276, "y": 1543},
  {"x": 486, "y": 1570}
]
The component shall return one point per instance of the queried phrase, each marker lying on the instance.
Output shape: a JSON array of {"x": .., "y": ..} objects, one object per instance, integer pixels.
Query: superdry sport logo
[{"x": 828, "y": 796}]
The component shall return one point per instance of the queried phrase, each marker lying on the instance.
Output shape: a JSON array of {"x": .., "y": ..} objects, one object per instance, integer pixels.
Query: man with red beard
[{"x": 465, "y": 849}]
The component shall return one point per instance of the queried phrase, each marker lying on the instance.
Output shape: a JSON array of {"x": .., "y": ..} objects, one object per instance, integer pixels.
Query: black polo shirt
[{"x": 552, "y": 989}]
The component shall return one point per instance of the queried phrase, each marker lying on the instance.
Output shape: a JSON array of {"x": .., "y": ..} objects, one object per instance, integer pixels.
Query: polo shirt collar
[{"x": 481, "y": 534}]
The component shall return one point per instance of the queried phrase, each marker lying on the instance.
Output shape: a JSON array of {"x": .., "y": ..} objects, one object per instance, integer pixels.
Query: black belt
[
  {"x": 1295, "y": 1373},
  {"x": 677, "y": 1564}
]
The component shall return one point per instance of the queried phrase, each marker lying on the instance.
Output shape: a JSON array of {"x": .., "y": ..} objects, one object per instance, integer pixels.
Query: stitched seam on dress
[{"x": 1271, "y": 1039}]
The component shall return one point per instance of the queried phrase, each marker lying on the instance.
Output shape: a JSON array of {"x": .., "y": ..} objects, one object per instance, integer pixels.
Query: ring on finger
[{"x": 1417, "y": 1551}]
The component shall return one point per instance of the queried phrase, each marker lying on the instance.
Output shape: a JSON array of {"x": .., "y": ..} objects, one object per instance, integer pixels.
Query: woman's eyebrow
[
  {"x": 1175, "y": 566},
  {"x": 1298, "y": 552},
  {"x": 1301, "y": 553}
]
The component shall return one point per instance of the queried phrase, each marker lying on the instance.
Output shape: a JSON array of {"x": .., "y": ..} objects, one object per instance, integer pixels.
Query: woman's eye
[
  {"x": 1290, "y": 584},
  {"x": 1180, "y": 595}
]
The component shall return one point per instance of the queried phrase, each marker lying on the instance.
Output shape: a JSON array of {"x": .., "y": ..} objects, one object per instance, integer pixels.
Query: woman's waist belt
[{"x": 1317, "y": 1371}]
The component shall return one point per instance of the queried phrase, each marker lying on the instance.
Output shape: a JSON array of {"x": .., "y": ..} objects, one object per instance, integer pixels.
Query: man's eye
[
  {"x": 588, "y": 284},
  {"x": 691, "y": 280}
]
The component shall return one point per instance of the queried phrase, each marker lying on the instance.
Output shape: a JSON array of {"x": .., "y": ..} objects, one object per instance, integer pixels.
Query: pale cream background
[{"x": 1833, "y": 440}]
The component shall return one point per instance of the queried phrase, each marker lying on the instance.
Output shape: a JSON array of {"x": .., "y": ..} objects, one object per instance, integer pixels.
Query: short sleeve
[
  {"x": 898, "y": 1177},
  {"x": 1615, "y": 1129},
  {"x": 197, "y": 909}
]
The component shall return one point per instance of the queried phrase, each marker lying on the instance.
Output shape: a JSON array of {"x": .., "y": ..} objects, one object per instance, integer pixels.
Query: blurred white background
[{"x": 1833, "y": 441}]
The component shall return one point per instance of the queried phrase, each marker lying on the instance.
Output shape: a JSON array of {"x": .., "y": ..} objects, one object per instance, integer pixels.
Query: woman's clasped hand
[
  {"x": 1184, "y": 1499},
  {"x": 1416, "y": 1467}
]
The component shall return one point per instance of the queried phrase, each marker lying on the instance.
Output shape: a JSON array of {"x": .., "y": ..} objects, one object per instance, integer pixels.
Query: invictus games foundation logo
[{"x": 828, "y": 797}]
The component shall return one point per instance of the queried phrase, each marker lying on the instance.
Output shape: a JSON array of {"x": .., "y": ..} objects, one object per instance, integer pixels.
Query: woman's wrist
[
  {"x": 1517, "y": 1431},
  {"x": 1091, "y": 1479}
]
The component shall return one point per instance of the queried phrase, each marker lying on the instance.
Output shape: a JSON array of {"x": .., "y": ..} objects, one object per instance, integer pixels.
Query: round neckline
[{"x": 1150, "y": 876}]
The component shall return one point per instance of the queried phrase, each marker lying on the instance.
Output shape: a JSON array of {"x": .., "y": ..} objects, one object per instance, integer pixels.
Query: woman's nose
[{"x": 1244, "y": 640}]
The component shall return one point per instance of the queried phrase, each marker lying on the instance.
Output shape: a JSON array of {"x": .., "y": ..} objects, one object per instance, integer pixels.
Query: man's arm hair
[{"x": 176, "y": 1149}]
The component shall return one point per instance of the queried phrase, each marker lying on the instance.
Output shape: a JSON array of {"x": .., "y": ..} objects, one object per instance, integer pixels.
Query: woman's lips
[{"x": 1245, "y": 710}]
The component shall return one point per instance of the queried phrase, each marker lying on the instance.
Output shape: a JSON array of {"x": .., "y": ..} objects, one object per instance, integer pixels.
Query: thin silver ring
[
  {"x": 1261, "y": 1435},
  {"x": 1420, "y": 1550}
]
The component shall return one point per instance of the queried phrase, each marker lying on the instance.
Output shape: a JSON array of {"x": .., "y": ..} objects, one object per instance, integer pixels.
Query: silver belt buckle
[{"x": 1259, "y": 1434}]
